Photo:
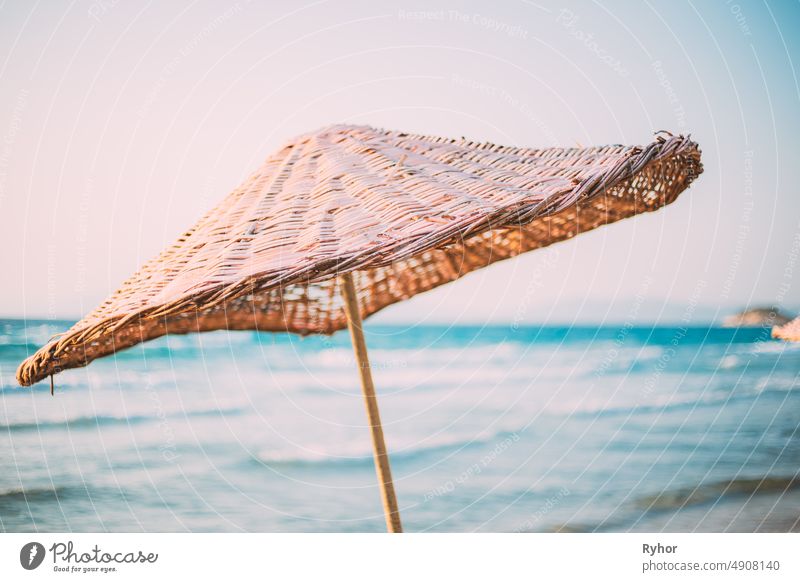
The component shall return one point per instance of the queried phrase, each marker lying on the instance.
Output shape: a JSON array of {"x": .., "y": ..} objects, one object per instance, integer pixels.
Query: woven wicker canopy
[
  {"x": 404, "y": 213},
  {"x": 788, "y": 331}
]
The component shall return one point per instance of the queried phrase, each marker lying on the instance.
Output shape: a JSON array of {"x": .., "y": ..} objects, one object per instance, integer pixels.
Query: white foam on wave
[{"x": 401, "y": 448}]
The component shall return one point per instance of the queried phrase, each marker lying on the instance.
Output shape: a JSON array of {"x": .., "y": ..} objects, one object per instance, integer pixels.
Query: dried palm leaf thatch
[
  {"x": 788, "y": 331},
  {"x": 404, "y": 213}
]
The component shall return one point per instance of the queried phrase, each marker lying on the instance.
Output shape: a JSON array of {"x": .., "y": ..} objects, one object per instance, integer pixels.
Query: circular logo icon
[{"x": 31, "y": 555}]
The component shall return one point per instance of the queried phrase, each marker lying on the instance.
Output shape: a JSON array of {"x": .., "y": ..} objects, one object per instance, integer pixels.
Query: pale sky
[{"x": 121, "y": 122}]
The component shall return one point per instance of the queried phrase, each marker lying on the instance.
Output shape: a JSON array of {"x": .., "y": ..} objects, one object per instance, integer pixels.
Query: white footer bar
[{"x": 407, "y": 557}]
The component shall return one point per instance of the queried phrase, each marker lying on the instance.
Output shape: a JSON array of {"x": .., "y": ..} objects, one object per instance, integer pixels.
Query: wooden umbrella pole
[{"x": 368, "y": 388}]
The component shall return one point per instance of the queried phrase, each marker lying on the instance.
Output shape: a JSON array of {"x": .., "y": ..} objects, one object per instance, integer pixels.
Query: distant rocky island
[{"x": 758, "y": 317}]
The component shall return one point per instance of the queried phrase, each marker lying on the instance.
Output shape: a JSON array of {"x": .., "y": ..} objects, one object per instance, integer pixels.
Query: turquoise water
[{"x": 499, "y": 428}]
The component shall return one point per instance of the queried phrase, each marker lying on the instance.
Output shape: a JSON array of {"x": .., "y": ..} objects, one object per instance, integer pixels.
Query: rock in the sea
[
  {"x": 788, "y": 331},
  {"x": 758, "y": 317}
]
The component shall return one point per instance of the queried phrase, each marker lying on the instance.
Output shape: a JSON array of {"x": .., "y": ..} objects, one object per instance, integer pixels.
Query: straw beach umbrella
[
  {"x": 342, "y": 222},
  {"x": 788, "y": 331}
]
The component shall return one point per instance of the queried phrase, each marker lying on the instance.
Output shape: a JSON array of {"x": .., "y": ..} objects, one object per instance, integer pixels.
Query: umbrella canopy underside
[
  {"x": 789, "y": 331},
  {"x": 404, "y": 213}
]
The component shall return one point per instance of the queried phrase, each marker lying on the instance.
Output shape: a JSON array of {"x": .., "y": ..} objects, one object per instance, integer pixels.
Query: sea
[{"x": 499, "y": 428}]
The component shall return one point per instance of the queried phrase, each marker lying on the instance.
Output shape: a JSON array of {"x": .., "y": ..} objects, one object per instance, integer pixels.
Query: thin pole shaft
[{"x": 368, "y": 388}]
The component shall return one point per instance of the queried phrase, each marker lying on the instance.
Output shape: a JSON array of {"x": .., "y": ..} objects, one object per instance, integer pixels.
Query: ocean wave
[
  {"x": 362, "y": 455},
  {"x": 90, "y": 421},
  {"x": 673, "y": 402},
  {"x": 14, "y": 351},
  {"x": 423, "y": 356},
  {"x": 31, "y": 331},
  {"x": 774, "y": 383},
  {"x": 661, "y": 404},
  {"x": 775, "y": 347},
  {"x": 73, "y": 423}
]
